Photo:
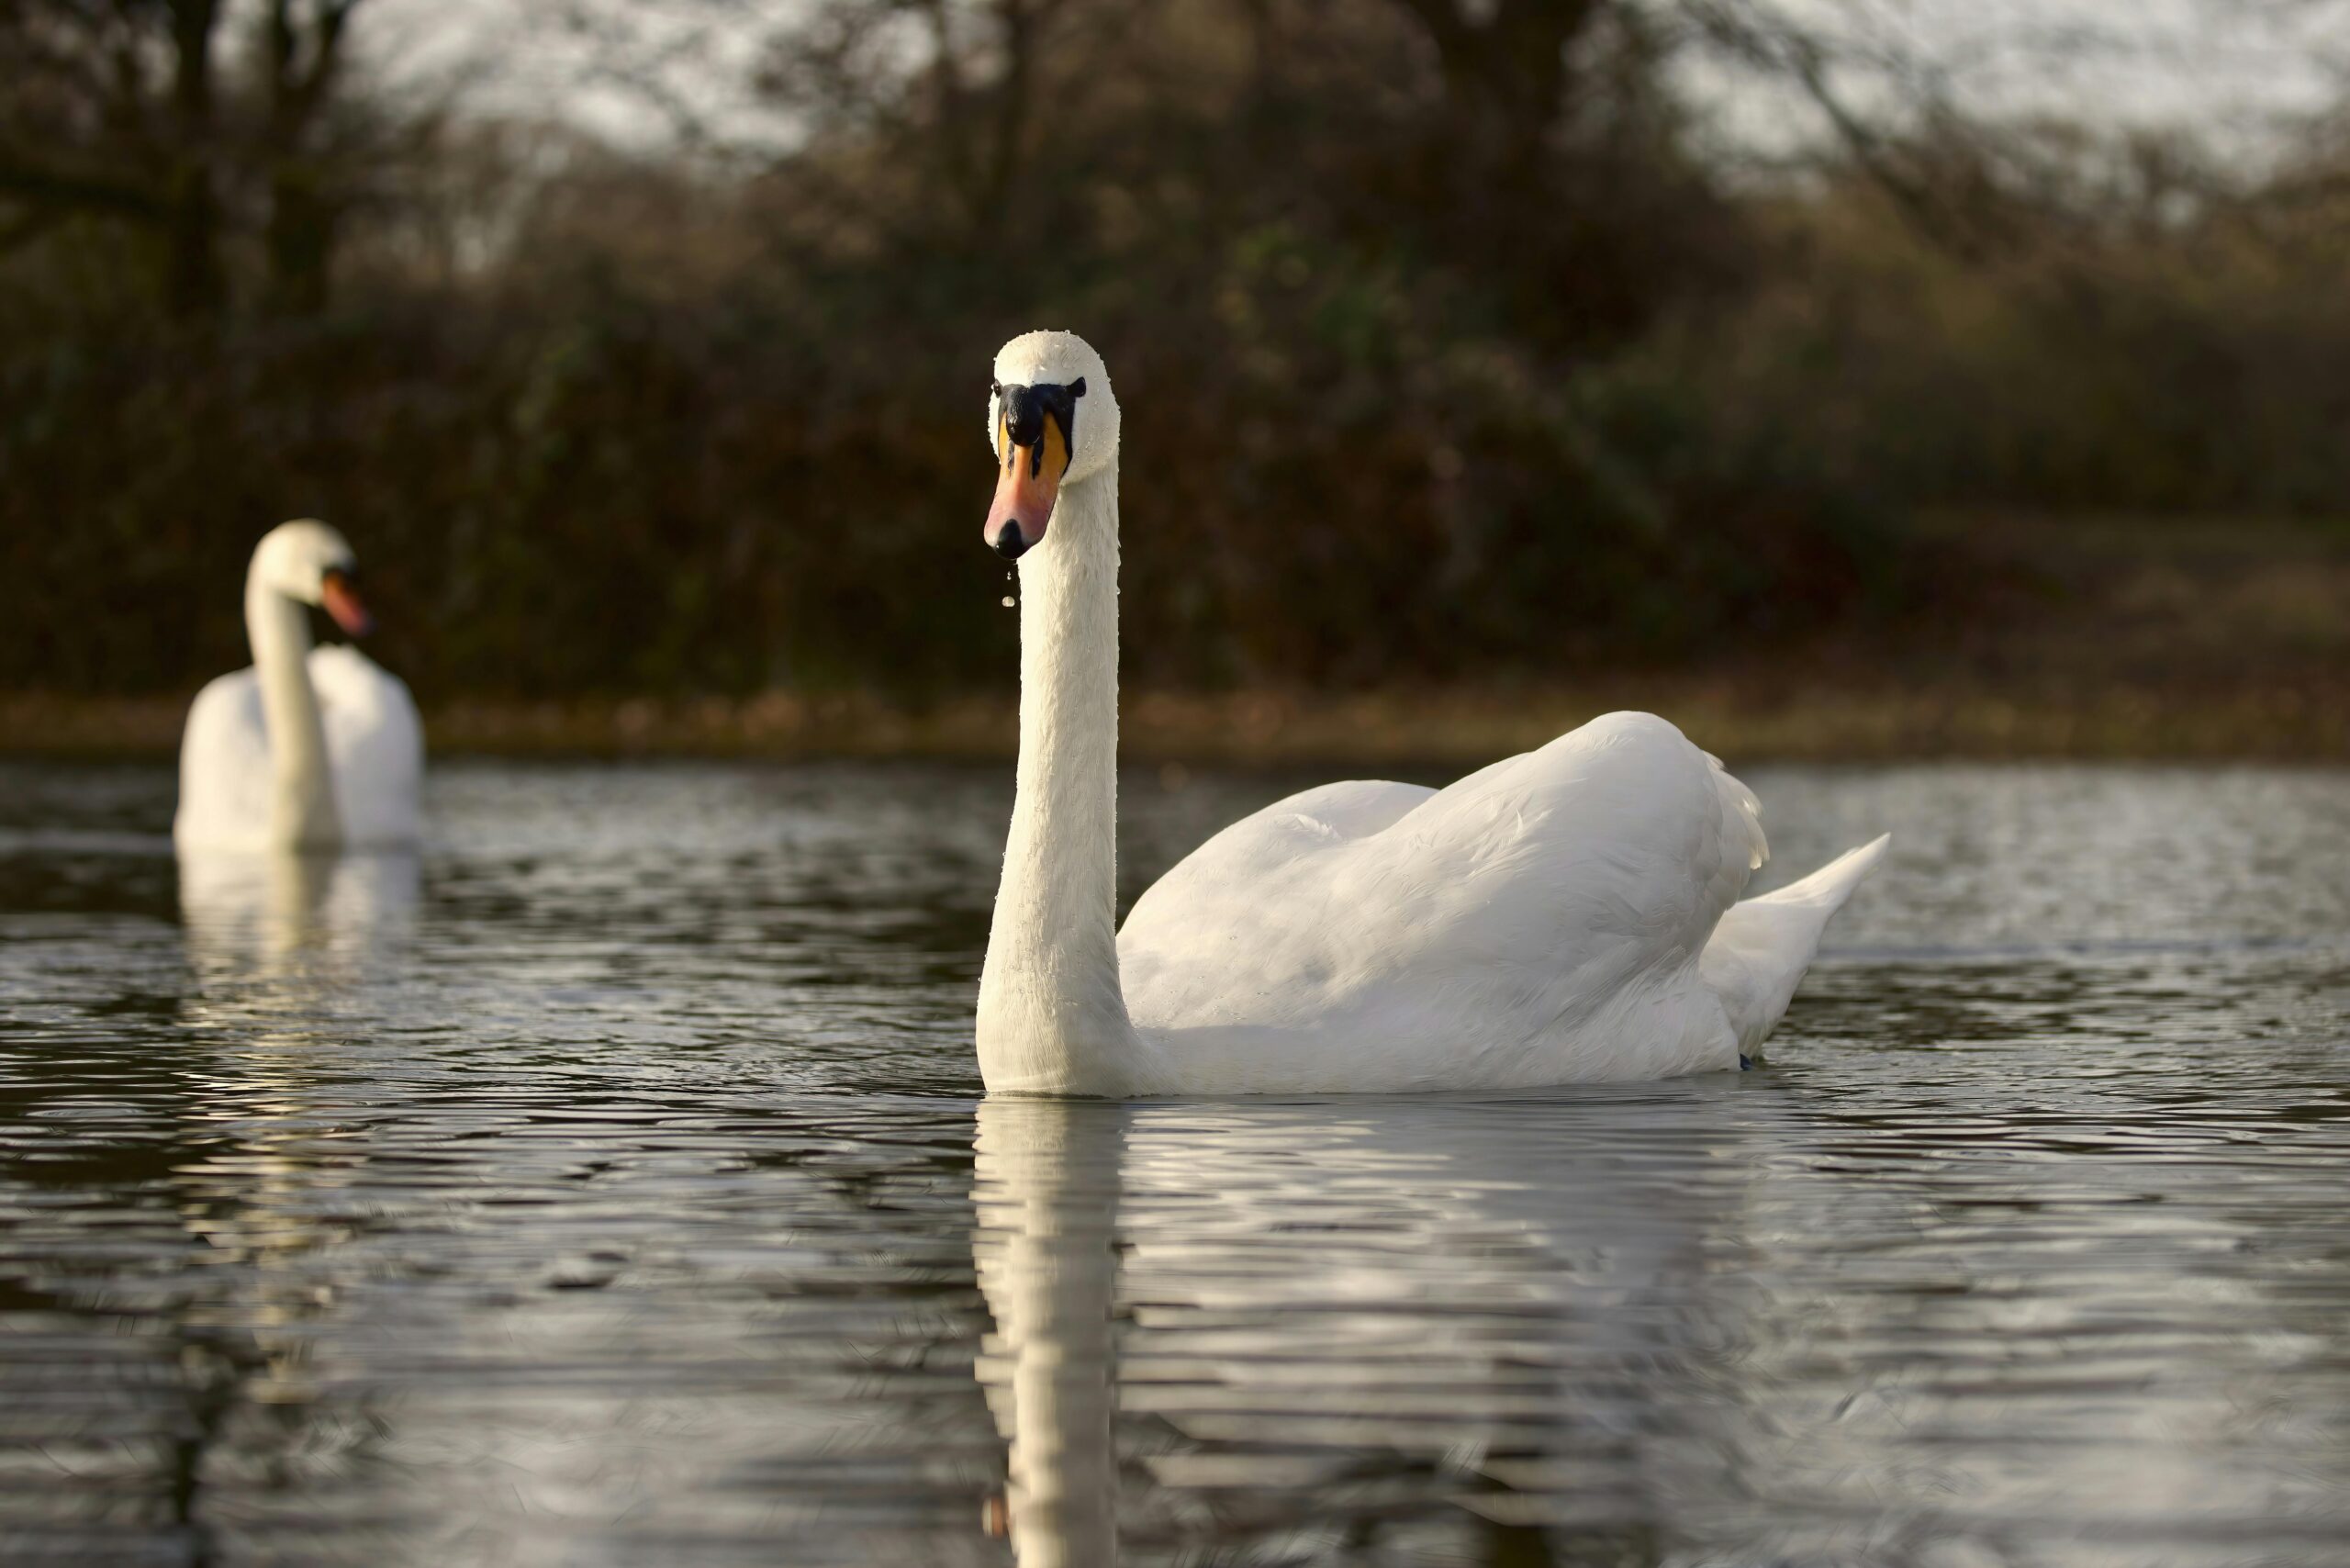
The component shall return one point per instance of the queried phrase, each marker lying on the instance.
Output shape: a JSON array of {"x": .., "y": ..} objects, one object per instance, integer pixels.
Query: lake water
[{"x": 614, "y": 1187}]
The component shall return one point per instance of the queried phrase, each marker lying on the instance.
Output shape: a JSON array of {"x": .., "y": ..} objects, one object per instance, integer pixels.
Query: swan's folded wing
[
  {"x": 1247, "y": 859},
  {"x": 1355, "y": 809},
  {"x": 1618, "y": 841},
  {"x": 1528, "y": 898},
  {"x": 225, "y": 785},
  {"x": 376, "y": 744}
]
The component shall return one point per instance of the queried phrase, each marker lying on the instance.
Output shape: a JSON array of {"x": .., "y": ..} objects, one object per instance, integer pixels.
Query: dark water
[{"x": 613, "y": 1189}]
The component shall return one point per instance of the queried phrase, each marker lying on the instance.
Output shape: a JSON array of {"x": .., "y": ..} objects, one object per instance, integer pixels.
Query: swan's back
[
  {"x": 225, "y": 785},
  {"x": 1537, "y": 921},
  {"x": 375, "y": 745},
  {"x": 374, "y": 752}
]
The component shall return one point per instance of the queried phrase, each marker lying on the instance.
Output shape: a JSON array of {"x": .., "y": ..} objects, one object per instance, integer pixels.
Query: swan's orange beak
[
  {"x": 340, "y": 597},
  {"x": 1027, "y": 478}
]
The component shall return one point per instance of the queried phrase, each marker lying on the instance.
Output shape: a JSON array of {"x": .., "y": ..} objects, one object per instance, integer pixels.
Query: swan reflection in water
[
  {"x": 293, "y": 922},
  {"x": 283, "y": 949},
  {"x": 1048, "y": 1194},
  {"x": 1439, "y": 1327}
]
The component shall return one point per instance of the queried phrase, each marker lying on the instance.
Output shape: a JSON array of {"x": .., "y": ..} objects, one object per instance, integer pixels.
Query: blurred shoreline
[
  {"x": 2204, "y": 639},
  {"x": 1505, "y": 360},
  {"x": 1748, "y": 719}
]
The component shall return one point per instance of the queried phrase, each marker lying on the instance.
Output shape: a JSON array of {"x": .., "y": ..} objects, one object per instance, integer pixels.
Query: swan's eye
[{"x": 1028, "y": 415}]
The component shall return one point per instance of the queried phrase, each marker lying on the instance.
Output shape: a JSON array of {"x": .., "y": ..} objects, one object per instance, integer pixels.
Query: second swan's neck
[
  {"x": 1052, "y": 1017},
  {"x": 302, "y": 808}
]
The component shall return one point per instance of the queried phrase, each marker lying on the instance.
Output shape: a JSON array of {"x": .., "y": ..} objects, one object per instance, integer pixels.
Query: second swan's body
[
  {"x": 312, "y": 749},
  {"x": 1568, "y": 915}
]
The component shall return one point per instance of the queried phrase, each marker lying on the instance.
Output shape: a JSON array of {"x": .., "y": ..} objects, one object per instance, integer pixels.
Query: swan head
[
  {"x": 1052, "y": 423},
  {"x": 310, "y": 564}
]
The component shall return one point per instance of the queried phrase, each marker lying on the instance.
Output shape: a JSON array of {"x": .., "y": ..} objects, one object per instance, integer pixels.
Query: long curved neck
[
  {"x": 1052, "y": 1018},
  {"x": 302, "y": 811}
]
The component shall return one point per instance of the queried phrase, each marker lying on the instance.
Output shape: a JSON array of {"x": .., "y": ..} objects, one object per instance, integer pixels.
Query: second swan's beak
[
  {"x": 339, "y": 596},
  {"x": 1032, "y": 451}
]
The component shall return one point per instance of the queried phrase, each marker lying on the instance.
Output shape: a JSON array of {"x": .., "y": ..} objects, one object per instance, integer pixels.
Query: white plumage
[
  {"x": 1568, "y": 915},
  {"x": 311, "y": 748},
  {"x": 1542, "y": 920},
  {"x": 375, "y": 757}
]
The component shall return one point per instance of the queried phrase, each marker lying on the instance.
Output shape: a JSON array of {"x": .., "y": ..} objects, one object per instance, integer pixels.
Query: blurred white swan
[
  {"x": 312, "y": 748},
  {"x": 1567, "y": 915}
]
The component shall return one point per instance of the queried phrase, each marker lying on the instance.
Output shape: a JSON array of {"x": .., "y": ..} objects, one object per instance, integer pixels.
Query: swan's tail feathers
[{"x": 1760, "y": 950}]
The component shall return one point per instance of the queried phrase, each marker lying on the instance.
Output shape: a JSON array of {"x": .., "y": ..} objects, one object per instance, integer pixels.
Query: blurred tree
[
  {"x": 1467, "y": 347},
  {"x": 302, "y": 60},
  {"x": 110, "y": 112},
  {"x": 139, "y": 114}
]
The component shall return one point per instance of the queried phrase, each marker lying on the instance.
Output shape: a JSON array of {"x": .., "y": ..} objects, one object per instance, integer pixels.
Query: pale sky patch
[{"x": 2235, "y": 72}]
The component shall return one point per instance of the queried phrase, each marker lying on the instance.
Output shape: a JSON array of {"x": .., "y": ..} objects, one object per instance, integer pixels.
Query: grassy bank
[
  {"x": 1744, "y": 718},
  {"x": 2122, "y": 637}
]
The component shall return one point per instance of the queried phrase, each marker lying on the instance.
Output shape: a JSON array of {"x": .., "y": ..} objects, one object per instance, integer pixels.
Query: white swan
[
  {"x": 311, "y": 748},
  {"x": 1562, "y": 917}
]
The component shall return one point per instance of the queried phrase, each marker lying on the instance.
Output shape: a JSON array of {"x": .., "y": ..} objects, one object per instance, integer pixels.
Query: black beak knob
[{"x": 1008, "y": 543}]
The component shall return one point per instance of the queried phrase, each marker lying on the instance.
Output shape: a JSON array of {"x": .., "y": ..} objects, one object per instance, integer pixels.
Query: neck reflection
[
  {"x": 1047, "y": 1192},
  {"x": 1483, "y": 1332},
  {"x": 274, "y": 938}
]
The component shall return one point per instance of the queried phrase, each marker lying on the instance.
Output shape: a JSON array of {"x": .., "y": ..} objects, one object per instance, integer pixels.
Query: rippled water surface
[{"x": 613, "y": 1187}]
